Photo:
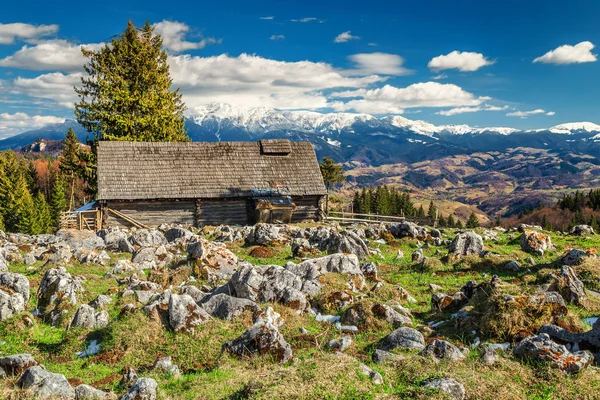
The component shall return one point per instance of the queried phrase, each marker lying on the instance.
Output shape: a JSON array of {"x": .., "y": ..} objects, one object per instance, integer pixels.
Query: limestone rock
[
  {"x": 227, "y": 307},
  {"x": 467, "y": 243},
  {"x": 166, "y": 365},
  {"x": 87, "y": 317},
  {"x": 14, "y": 294},
  {"x": 440, "y": 350},
  {"x": 450, "y": 387},
  {"x": 87, "y": 392},
  {"x": 147, "y": 238},
  {"x": 142, "y": 389},
  {"x": 574, "y": 257},
  {"x": 46, "y": 385},
  {"x": 347, "y": 242},
  {"x": 535, "y": 242},
  {"x": 16, "y": 364},
  {"x": 57, "y": 293},
  {"x": 375, "y": 376},
  {"x": 185, "y": 314},
  {"x": 582, "y": 230},
  {"x": 407, "y": 229},
  {"x": 262, "y": 338},
  {"x": 404, "y": 338},
  {"x": 263, "y": 234},
  {"x": 542, "y": 348}
]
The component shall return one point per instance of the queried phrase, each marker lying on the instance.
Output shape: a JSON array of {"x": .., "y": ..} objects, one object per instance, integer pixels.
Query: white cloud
[
  {"x": 250, "y": 80},
  {"x": 10, "y": 32},
  {"x": 550, "y": 113},
  {"x": 372, "y": 44},
  {"x": 308, "y": 19},
  {"x": 13, "y": 123},
  {"x": 345, "y": 37},
  {"x": 377, "y": 63},
  {"x": 277, "y": 37},
  {"x": 52, "y": 55},
  {"x": 390, "y": 99},
  {"x": 567, "y": 54},
  {"x": 440, "y": 76},
  {"x": 173, "y": 34},
  {"x": 54, "y": 86},
  {"x": 525, "y": 114},
  {"x": 268, "y": 18},
  {"x": 463, "y": 110},
  {"x": 463, "y": 61}
]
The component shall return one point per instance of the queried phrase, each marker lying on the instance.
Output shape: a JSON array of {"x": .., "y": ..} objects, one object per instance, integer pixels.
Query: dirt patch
[{"x": 261, "y": 252}]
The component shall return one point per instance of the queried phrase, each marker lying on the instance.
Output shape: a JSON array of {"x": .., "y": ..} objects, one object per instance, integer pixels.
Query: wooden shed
[{"x": 151, "y": 183}]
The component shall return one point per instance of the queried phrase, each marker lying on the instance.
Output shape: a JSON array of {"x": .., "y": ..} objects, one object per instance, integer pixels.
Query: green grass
[{"x": 318, "y": 373}]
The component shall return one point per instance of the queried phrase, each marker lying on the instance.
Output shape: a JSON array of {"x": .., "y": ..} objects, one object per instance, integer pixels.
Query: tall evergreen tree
[
  {"x": 432, "y": 210},
  {"x": 473, "y": 221},
  {"x": 42, "y": 222},
  {"x": 69, "y": 163},
  {"x": 421, "y": 211},
  {"x": 58, "y": 202},
  {"x": 459, "y": 224},
  {"x": 22, "y": 209},
  {"x": 450, "y": 222},
  {"x": 126, "y": 94}
]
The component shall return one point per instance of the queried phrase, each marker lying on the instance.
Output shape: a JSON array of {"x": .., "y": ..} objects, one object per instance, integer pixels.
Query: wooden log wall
[
  {"x": 307, "y": 208},
  {"x": 152, "y": 213},
  {"x": 226, "y": 211}
]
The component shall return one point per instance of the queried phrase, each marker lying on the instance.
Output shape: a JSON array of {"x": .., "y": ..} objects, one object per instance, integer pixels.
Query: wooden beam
[{"x": 128, "y": 219}]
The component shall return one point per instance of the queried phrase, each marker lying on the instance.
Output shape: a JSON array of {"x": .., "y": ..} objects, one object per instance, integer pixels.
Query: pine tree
[
  {"x": 442, "y": 223},
  {"x": 451, "y": 223},
  {"x": 473, "y": 222},
  {"x": 459, "y": 224},
  {"x": 69, "y": 162},
  {"x": 432, "y": 210},
  {"x": 58, "y": 202},
  {"x": 22, "y": 209},
  {"x": 420, "y": 211},
  {"x": 42, "y": 216},
  {"x": 126, "y": 94}
]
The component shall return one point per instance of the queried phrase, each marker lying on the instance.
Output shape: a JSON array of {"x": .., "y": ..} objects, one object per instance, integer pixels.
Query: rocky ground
[{"x": 356, "y": 312}]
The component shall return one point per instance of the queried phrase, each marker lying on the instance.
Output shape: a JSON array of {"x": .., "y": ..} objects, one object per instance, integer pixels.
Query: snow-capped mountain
[{"x": 573, "y": 127}]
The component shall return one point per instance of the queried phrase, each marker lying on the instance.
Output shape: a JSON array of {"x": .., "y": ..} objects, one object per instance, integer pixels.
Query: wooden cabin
[{"x": 151, "y": 183}]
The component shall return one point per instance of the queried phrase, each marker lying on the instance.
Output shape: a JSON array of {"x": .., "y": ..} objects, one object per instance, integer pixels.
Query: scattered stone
[
  {"x": 408, "y": 229},
  {"x": 440, "y": 350},
  {"x": 489, "y": 356},
  {"x": 226, "y": 307},
  {"x": 57, "y": 294},
  {"x": 166, "y": 365},
  {"x": 87, "y": 392},
  {"x": 417, "y": 256},
  {"x": 582, "y": 230},
  {"x": 347, "y": 242},
  {"x": 467, "y": 243},
  {"x": 262, "y": 338},
  {"x": 301, "y": 248},
  {"x": 179, "y": 234},
  {"x": 382, "y": 356},
  {"x": 512, "y": 266},
  {"x": 87, "y": 317},
  {"x": 450, "y": 387},
  {"x": 340, "y": 344},
  {"x": 128, "y": 378},
  {"x": 101, "y": 301},
  {"x": 542, "y": 348},
  {"x": 76, "y": 239},
  {"x": 46, "y": 385},
  {"x": 147, "y": 238},
  {"x": 570, "y": 287},
  {"x": 404, "y": 338},
  {"x": 14, "y": 294},
  {"x": 374, "y": 375},
  {"x": 389, "y": 314},
  {"x": 16, "y": 364},
  {"x": 574, "y": 257},
  {"x": 535, "y": 242},
  {"x": 142, "y": 389},
  {"x": 185, "y": 314},
  {"x": 263, "y": 234}
]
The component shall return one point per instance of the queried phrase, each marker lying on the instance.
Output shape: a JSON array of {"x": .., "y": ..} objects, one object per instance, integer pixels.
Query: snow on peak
[{"x": 568, "y": 128}]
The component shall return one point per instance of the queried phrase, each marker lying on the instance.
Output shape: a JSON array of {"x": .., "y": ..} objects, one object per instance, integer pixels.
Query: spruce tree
[
  {"x": 459, "y": 224},
  {"x": 442, "y": 222},
  {"x": 473, "y": 222},
  {"x": 22, "y": 209},
  {"x": 451, "y": 223},
  {"x": 126, "y": 94},
  {"x": 420, "y": 211},
  {"x": 42, "y": 217},
  {"x": 432, "y": 210},
  {"x": 58, "y": 202},
  {"x": 69, "y": 163}
]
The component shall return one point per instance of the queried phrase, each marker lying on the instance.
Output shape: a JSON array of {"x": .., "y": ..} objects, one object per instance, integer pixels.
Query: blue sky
[{"x": 446, "y": 62}]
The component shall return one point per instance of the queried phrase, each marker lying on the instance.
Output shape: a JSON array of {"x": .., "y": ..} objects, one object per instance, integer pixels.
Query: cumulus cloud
[
  {"x": 174, "y": 33},
  {"x": 463, "y": 110},
  {"x": 377, "y": 63},
  {"x": 390, "y": 99},
  {"x": 345, "y": 37},
  {"x": 54, "y": 86},
  {"x": 13, "y": 123},
  {"x": 463, "y": 61},
  {"x": 525, "y": 114},
  {"x": 567, "y": 54},
  {"x": 52, "y": 55},
  {"x": 277, "y": 37},
  {"x": 251, "y": 80},
  {"x": 10, "y": 32}
]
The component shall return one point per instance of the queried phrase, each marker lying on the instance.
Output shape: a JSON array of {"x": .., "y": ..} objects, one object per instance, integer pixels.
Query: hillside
[
  {"x": 499, "y": 170},
  {"x": 228, "y": 312}
]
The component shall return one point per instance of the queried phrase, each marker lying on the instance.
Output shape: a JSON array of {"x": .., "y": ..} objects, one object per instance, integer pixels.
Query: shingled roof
[{"x": 158, "y": 170}]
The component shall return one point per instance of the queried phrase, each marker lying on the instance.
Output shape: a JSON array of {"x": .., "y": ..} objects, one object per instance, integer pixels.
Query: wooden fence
[
  {"x": 83, "y": 220},
  {"x": 350, "y": 217}
]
